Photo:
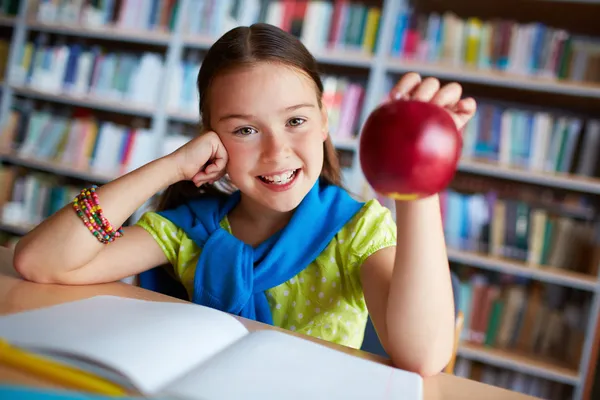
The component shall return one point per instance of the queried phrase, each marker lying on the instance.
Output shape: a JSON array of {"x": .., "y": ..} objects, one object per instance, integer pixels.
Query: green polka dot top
[{"x": 325, "y": 300}]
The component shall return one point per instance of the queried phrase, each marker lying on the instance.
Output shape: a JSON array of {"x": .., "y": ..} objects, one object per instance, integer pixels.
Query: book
[
  {"x": 9, "y": 391},
  {"x": 188, "y": 351}
]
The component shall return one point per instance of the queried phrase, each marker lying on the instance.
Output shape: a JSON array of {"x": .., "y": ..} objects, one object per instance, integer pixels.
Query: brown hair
[{"x": 244, "y": 46}]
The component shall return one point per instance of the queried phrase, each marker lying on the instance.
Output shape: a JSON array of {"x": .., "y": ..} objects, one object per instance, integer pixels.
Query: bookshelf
[{"x": 170, "y": 115}]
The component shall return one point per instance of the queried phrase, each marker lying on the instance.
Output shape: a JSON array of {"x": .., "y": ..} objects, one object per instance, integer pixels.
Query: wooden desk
[{"x": 19, "y": 295}]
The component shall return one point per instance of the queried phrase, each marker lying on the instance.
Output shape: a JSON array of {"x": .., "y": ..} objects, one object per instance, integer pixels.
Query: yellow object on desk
[{"x": 55, "y": 372}]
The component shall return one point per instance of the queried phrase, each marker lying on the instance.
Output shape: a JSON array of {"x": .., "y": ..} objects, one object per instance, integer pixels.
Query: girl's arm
[
  {"x": 409, "y": 293},
  {"x": 408, "y": 288},
  {"x": 62, "y": 250}
]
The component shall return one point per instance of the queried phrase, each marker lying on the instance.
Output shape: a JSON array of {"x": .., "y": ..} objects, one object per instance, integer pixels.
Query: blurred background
[{"x": 91, "y": 89}]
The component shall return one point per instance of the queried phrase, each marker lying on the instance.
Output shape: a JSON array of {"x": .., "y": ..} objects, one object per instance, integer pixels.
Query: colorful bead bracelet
[{"x": 87, "y": 207}]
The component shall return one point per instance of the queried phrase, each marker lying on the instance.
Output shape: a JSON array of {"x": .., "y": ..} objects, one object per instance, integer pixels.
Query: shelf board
[
  {"x": 183, "y": 116},
  {"x": 347, "y": 58},
  {"x": 19, "y": 230},
  {"x": 86, "y": 174},
  {"x": 540, "y": 273},
  {"x": 520, "y": 363},
  {"x": 557, "y": 180},
  {"x": 345, "y": 143},
  {"x": 86, "y": 101},
  {"x": 103, "y": 32},
  {"x": 495, "y": 78},
  {"x": 201, "y": 42},
  {"x": 7, "y": 20}
]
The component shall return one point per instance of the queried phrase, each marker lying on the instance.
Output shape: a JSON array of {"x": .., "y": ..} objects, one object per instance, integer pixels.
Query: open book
[{"x": 187, "y": 351}]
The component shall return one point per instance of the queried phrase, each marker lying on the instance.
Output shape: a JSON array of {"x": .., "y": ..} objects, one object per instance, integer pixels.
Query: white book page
[
  {"x": 273, "y": 365},
  {"x": 151, "y": 343}
]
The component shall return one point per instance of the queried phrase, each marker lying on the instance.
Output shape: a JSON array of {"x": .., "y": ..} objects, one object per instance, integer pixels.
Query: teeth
[{"x": 280, "y": 179}]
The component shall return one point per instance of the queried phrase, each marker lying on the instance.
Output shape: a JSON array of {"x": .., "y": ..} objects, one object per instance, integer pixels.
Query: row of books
[
  {"x": 76, "y": 138},
  {"x": 320, "y": 24},
  {"x": 80, "y": 70},
  {"x": 4, "y": 50},
  {"x": 504, "y": 312},
  {"x": 515, "y": 381},
  {"x": 529, "y": 49},
  {"x": 344, "y": 101},
  {"x": 212, "y": 18},
  {"x": 9, "y": 7},
  {"x": 182, "y": 96},
  {"x": 515, "y": 229},
  {"x": 534, "y": 140},
  {"x": 125, "y": 14},
  {"x": 350, "y": 25},
  {"x": 28, "y": 198},
  {"x": 123, "y": 77}
]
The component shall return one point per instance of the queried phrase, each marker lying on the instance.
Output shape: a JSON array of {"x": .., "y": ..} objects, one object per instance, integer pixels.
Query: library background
[{"x": 92, "y": 89}]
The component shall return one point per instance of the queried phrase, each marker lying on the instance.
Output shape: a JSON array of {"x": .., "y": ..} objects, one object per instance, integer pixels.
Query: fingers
[
  {"x": 412, "y": 87},
  {"x": 463, "y": 111},
  {"x": 203, "y": 177},
  {"x": 466, "y": 106},
  {"x": 405, "y": 86},
  {"x": 448, "y": 96},
  {"x": 426, "y": 90}
]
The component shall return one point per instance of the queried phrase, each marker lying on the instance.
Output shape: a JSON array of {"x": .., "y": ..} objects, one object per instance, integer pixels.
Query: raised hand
[
  {"x": 202, "y": 159},
  {"x": 412, "y": 87}
]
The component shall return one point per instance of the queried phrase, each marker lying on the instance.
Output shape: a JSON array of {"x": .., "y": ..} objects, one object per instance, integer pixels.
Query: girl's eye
[
  {"x": 296, "y": 121},
  {"x": 245, "y": 131}
]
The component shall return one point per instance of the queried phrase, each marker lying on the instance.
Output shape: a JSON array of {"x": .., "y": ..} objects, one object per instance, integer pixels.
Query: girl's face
[{"x": 269, "y": 120}]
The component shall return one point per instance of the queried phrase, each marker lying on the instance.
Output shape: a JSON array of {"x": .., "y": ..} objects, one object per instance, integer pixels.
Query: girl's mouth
[{"x": 281, "y": 181}]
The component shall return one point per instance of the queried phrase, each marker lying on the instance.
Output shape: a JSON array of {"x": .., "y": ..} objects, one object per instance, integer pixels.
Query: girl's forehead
[{"x": 262, "y": 83}]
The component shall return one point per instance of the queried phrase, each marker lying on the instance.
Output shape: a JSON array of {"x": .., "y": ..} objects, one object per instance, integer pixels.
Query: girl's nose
[{"x": 274, "y": 147}]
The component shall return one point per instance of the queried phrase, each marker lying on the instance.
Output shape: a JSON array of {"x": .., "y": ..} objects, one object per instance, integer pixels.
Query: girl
[{"x": 288, "y": 246}]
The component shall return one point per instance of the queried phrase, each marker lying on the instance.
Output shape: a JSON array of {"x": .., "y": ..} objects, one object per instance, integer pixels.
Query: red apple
[{"x": 409, "y": 149}]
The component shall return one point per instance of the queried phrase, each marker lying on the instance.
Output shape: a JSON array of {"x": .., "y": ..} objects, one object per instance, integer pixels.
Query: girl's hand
[
  {"x": 412, "y": 87},
  {"x": 202, "y": 159}
]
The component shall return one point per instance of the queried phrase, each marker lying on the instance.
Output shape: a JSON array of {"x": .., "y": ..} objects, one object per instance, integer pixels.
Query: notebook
[
  {"x": 187, "y": 351},
  {"x": 17, "y": 392}
]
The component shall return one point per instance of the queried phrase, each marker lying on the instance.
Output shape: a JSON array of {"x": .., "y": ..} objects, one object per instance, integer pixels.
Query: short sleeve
[
  {"x": 372, "y": 229},
  {"x": 167, "y": 235}
]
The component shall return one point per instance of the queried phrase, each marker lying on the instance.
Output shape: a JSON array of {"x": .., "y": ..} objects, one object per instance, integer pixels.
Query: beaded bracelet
[{"x": 87, "y": 207}]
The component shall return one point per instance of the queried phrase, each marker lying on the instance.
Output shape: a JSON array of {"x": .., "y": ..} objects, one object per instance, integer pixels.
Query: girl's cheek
[{"x": 241, "y": 153}]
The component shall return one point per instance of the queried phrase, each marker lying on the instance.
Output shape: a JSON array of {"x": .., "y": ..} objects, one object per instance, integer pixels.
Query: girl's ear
[{"x": 325, "y": 119}]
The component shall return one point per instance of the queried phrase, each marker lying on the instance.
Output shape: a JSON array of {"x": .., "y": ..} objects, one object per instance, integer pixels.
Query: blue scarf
[{"x": 231, "y": 275}]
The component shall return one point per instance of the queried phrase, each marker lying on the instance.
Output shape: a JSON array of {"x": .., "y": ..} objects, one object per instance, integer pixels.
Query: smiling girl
[{"x": 288, "y": 245}]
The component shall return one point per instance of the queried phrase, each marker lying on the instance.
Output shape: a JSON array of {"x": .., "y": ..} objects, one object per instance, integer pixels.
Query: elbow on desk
[
  {"x": 424, "y": 368},
  {"x": 426, "y": 363}
]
